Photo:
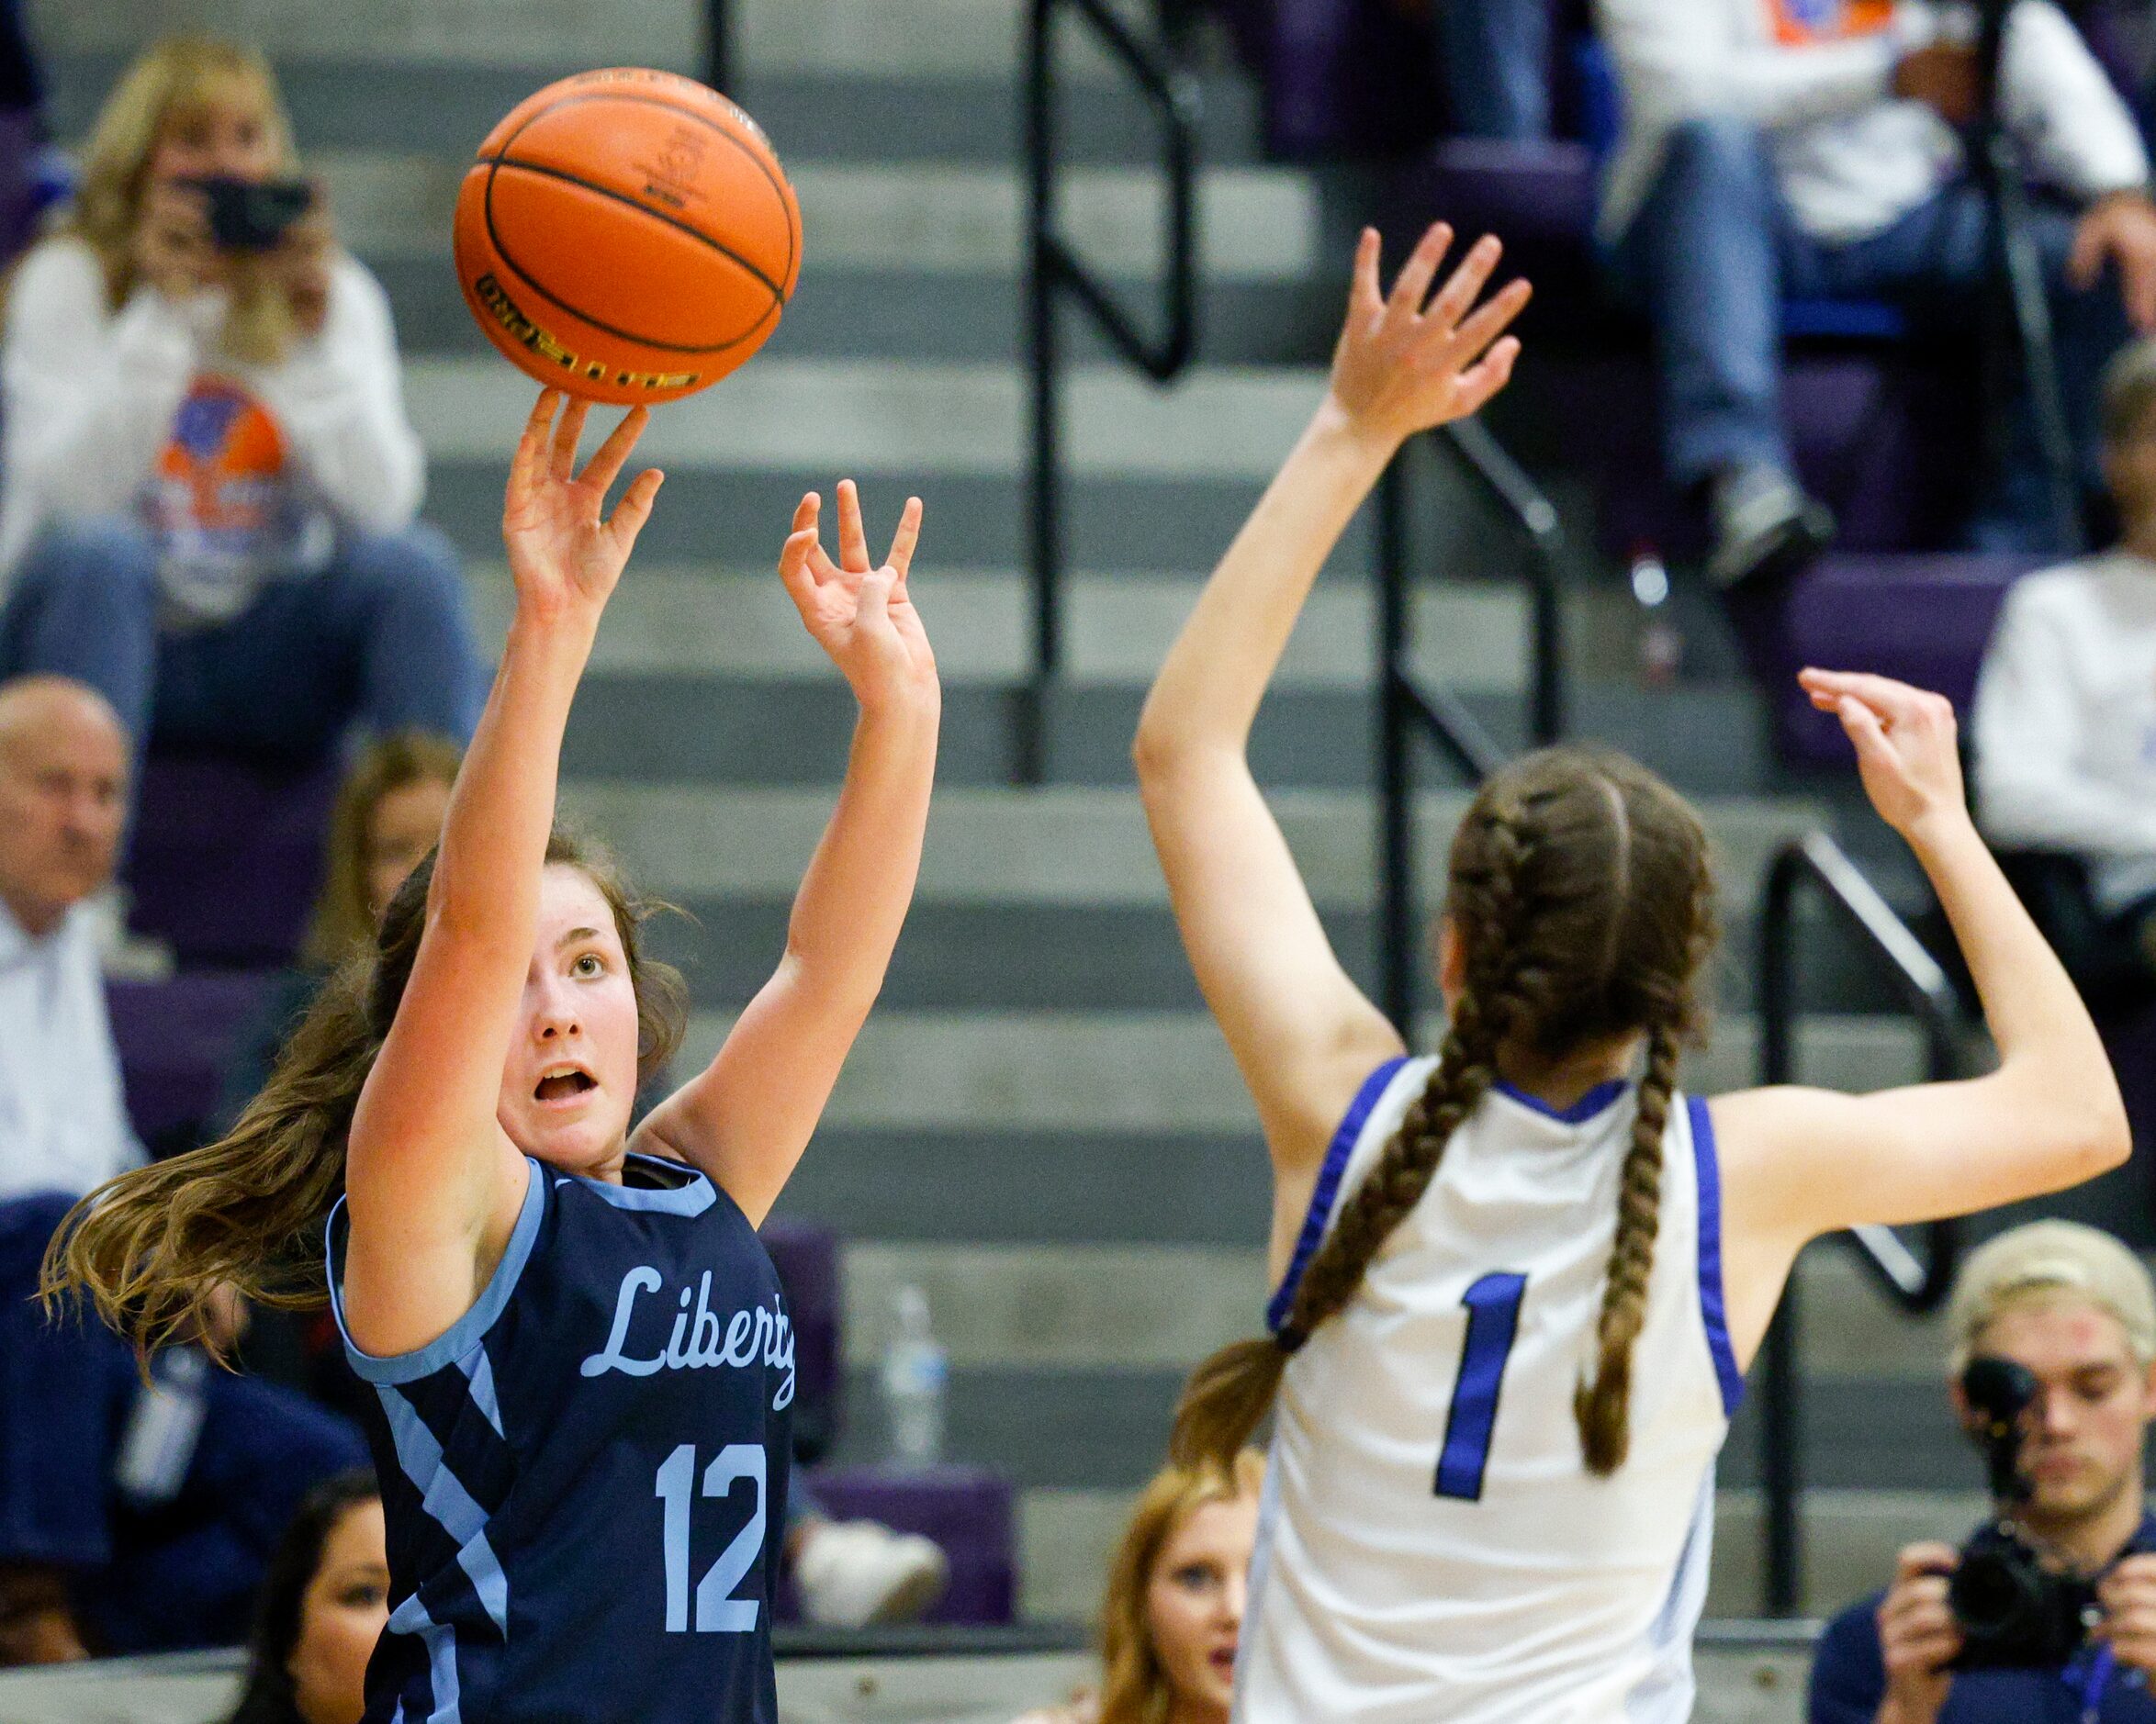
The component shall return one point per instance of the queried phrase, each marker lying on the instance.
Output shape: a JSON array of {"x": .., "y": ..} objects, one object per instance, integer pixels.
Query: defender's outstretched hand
[
  {"x": 1904, "y": 740},
  {"x": 1401, "y": 365},
  {"x": 565, "y": 553},
  {"x": 863, "y": 617}
]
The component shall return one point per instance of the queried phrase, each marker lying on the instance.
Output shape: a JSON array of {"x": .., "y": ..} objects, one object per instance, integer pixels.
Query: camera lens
[{"x": 1989, "y": 1595}]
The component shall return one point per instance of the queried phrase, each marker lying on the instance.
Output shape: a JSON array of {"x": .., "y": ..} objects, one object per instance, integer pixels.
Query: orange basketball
[{"x": 627, "y": 235}]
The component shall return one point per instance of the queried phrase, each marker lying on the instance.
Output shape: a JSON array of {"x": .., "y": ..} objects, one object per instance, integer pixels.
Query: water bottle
[{"x": 915, "y": 1371}]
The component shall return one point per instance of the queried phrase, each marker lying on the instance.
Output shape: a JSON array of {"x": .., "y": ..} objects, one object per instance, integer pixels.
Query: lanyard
[{"x": 2094, "y": 1682}]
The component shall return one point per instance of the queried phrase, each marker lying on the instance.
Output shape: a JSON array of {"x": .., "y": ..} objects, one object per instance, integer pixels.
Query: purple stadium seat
[
  {"x": 227, "y": 854},
  {"x": 967, "y": 1510},
  {"x": 806, "y": 1256},
  {"x": 174, "y": 1039},
  {"x": 1925, "y": 620}
]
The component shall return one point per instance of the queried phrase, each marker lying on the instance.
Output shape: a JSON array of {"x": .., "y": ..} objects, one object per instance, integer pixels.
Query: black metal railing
[
  {"x": 1815, "y": 863},
  {"x": 1408, "y": 710},
  {"x": 718, "y": 46},
  {"x": 1055, "y": 271}
]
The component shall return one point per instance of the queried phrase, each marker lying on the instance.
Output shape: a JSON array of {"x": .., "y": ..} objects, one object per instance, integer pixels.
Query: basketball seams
[{"x": 777, "y": 181}]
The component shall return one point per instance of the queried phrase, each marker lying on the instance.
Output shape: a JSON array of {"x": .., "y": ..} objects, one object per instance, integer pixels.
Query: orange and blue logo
[
  {"x": 1799, "y": 23},
  {"x": 221, "y": 473}
]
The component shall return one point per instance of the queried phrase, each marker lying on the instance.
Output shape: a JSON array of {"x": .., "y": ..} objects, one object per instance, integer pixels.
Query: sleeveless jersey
[
  {"x": 1431, "y": 1543},
  {"x": 585, "y": 1479}
]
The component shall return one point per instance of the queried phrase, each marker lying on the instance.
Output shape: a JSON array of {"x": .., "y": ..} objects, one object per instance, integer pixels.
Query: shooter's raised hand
[{"x": 566, "y": 553}]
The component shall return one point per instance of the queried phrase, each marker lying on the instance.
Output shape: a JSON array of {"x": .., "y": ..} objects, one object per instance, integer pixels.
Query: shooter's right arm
[{"x": 433, "y": 1183}]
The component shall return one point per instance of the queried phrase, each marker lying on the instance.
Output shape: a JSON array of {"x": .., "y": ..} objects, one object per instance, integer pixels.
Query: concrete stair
[{"x": 1041, "y": 1125}]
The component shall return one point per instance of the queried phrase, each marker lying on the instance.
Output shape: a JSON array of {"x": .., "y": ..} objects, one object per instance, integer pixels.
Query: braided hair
[{"x": 1581, "y": 896}]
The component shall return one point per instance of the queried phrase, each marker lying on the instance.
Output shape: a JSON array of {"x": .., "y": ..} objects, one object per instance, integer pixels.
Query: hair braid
[
  {"x": 1230, "y": 1393},
  {"x": 1603, "y": 1406}
]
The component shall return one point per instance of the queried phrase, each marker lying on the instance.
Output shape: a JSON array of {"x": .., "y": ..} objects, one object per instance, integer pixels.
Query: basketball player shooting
[
  {"x": 1518, "y": 1281},
  {"x": 580, "y": 1361}
]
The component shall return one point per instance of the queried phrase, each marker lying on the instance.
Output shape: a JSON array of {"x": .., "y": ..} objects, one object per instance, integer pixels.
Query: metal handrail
[
  {"x": 1407, "y": 708},
  {"x": 1917, "y": 1284},
  {"x": 1055, "y": 269},
  {"x": 718, "y": 45}
]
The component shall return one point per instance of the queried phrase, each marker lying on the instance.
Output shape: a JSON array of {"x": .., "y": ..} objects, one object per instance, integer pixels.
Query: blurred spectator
[
  {"x": 1811, "y": 148},
  {"x": 63, "y": 777},
  {"x": 2065, "y": 719},
  {"x": 325, "y": 1602},
  {"x": 2073, "y": 1308},
  {"x": 209, "y": 479},
  {"x": 1173, "y": 1609},
  {"x": 388, "y": 816},
  {"x": 1495, "y": 58}
]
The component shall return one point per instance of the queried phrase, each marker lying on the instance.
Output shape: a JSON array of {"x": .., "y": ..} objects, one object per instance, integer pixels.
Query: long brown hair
[
  {"x": 1584, "y": 907},
  {"x": 1134, "y": 1688},
  {"x": 343, "y": 920},
  {"x": 151, "y": 1246}
]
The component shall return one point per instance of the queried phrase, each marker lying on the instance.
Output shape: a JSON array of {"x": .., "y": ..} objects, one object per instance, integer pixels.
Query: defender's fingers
[
  {"x": 872, "y": 605},
  {"x": 1412, "y": 285},
  {"x": 1366, "y": 297},
  {"x": 1491, "y": 318},
  {"x": 567, "y": 429},
  {"x": 1480, "y": 382},
  {"x": 1464, "y": 286},
  {"x": 903, "y": 542},
  {"x": 1865, "y": 734},
  {"x": 853, "y": 538},
  {"x": 601, "y": 469},
  {"x": 1895, "y": 700},
  {"x": 806, "y": 510},
  {"x": 795, "y": 573}
]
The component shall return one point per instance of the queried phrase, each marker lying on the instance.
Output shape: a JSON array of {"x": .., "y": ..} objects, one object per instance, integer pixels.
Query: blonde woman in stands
[
  {"x": 208, "y": 482},
  {"x": 1174, "y": 1610},
  {"x": 1520, "y": 1279}
]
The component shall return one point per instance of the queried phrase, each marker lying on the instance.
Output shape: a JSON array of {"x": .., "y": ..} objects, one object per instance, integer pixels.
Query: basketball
[{"x": 627, "y": 235}]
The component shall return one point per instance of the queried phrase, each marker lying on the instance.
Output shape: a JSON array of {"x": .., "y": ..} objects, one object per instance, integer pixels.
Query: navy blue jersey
[{"x": 585, "y": 1479}]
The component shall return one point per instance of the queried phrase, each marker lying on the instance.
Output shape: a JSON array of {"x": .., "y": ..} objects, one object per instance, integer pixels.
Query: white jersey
[{"x": 1431, "y": 1544}]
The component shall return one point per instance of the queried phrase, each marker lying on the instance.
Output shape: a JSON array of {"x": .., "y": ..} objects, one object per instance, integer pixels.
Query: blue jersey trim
[
  {"x": 1708, "y": 1191},
  {"x": 467, "y": 1332},
  {"x": 480, "y": 1370},
  {"x": 1328, "y": 1188},
  {"x": 444, "y": 1496},
  {"x": 1601, "y": 1096},
  {"x": 691, "y": 1198},
  {"x": 445, "y": 1700}
]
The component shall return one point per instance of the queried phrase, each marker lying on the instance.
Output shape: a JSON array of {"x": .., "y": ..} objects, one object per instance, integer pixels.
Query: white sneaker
[{"x": 853, "y": 1572}]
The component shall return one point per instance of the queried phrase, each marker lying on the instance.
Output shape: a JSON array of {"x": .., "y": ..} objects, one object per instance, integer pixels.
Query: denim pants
[
  {"x": 162, "y": 1566},
  {"x": 1496, "y": 57},
  {"x": 379, "y": 636},
  {"x": 1713, "y": 252}
]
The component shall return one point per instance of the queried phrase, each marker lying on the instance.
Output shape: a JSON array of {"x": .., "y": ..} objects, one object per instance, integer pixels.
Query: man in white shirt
[
  {"x": 64, "y": 780},
  {"x": 1812, "y": 148},
  {"x": 2065, "y": 714}
]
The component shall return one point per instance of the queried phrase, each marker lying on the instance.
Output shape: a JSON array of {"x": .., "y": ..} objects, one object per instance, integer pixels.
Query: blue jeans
[
  {"x": 1496, "y": 66},
  {"x": 379, "y": 636},
  {"x": 1713, "y": 252},
  {"x": 181, "y": 1571}
]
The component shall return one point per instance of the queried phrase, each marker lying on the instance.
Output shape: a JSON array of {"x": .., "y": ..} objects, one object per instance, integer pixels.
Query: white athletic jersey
[{"x": 1431, "y": 1544}]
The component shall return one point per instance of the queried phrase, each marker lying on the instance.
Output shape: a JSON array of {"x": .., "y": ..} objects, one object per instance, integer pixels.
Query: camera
[
  {"x": 253, "y": 215},
  {"x": 2012, "y": 1610}
]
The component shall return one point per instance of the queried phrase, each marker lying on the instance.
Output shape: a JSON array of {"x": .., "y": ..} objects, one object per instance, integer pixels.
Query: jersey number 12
[
  {"x": 1493, "y": 1321},
  {"x": 717, "y": 1610}
]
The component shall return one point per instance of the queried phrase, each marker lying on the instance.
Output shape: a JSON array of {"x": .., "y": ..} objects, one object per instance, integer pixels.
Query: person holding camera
[
  {"x": 210, "y": 485},
  {"x": 2049, "y": 1611}
]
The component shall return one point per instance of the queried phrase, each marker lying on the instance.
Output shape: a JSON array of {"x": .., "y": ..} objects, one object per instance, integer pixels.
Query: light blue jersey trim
[
  {"x": 1712, "y": 1308},
  {"x": 480, "y": 1370},
  {"x": 1337, "y": 1155},
  {"x": 444, "y": 1496},
  {"x": 440, "y": 1639},
  {"x": 463, "y": 1334},
  {"x": 691, "y": 1199}
]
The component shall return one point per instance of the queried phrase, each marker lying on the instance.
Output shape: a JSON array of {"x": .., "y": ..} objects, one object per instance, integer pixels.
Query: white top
[
  {"x": 1431, "y": 1544},
  {"x": 243, "y": 471},
  {"x": 63, "y": 1125},
  {"x": 2065, "y": 721},
  {"x": 1818, "y": 74}
]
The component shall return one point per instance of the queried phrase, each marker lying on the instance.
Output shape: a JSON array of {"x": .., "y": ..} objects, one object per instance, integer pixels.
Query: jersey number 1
[
  {"x": 717, "y": 1610},
  {"x": 1493, "y": 1320}
]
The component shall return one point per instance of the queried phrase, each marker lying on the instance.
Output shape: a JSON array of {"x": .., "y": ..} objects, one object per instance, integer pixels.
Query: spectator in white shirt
[
  {"x": 63, "y": 775},
  {"x": 1811, "y": 148},
  {"x": 209, "y": 483},
  {"x": 2065, "y": 715}
]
